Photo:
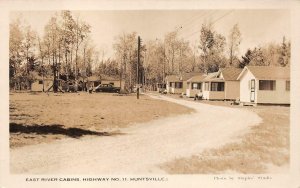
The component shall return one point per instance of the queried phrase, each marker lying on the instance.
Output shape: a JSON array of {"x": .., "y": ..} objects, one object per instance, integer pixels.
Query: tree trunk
[
  {"x": 83, "y": 88},
  {"x": 172, "y": 63},
  {"x": 27, "y": 68},
  {"x": 125, "y": 77},
  {"x": 67, "y": 69},
  {"x": 121, "y": 72},
  {"x": 71, "y": 58}
]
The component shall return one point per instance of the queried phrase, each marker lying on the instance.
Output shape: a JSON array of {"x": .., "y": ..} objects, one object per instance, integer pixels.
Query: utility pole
[
  {"x": 55, "y": 75},
  {"x": 164, "y": 64},
  {"x": 137, "y": 69}
]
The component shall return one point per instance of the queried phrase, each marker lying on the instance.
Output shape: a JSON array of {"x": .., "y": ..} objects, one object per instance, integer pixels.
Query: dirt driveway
[{"x": 141, "y": 148}]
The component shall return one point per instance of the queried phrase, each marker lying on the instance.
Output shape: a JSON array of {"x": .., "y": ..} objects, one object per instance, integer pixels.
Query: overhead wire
[
  {"x": 189, "y": 25},
  {"x": 215, "y": 21}
]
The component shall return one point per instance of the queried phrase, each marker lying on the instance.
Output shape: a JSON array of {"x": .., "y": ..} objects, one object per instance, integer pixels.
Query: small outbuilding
[
  {"x": 41, "y": 85},
  {"x": 93, "y": 81},
  {"x": 96, "y": 80},
  {"x": 113, "y": 80}
]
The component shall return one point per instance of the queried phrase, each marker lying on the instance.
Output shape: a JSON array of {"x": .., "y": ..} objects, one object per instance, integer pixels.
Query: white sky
[{"x": 257, "y": 26}]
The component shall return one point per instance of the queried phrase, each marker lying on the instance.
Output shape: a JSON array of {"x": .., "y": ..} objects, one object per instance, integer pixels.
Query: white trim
[{"x": 240, "y": 75}]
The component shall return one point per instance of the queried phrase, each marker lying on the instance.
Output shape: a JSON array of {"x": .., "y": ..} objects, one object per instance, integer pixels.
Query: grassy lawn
[
  {"x": 39, "y": 118},
  {"x": 265, "y": 147}
]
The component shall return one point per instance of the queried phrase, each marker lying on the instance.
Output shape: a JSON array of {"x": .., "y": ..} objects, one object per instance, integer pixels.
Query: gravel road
[{"x": 142, "y": 147}]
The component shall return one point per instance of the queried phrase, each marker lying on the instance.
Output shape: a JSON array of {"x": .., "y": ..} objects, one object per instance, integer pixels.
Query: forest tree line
[{"x": 67, "y": 52}]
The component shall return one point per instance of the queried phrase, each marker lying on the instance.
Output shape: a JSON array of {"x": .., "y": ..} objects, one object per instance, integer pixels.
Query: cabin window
[
  {"x": 178, "y": 84},
  {"x": 206, "y": 86},
  {"x": 170, "y": 84},
  {"x": 287, "y": 85},
  {"x": 196, "y": 86},
  {"x": 40, "y": 81},
  {"x": 111, "y": 83},
  {"x": 267, "y": 85},
  {"x": 217, "y": 86}
]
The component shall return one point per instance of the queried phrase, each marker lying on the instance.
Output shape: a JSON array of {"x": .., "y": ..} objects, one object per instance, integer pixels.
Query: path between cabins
[{"x": 142, "y": 148}]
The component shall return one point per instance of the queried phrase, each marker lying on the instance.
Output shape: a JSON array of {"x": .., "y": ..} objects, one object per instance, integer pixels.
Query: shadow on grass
[
  {"x": 56, "y": 129},
  {"x": 11, "y": 108},
  {"x": 20, "y": 115}
]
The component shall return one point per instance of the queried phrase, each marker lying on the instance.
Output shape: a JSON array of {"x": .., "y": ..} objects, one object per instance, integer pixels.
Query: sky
[{"x": 257, "y": 27}]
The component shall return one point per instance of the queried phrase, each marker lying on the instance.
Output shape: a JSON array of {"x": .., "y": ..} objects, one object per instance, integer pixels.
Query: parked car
[{"x": 107, "y": 88}]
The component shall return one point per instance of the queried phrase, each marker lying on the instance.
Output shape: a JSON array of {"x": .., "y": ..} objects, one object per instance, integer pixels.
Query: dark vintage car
[{"x": 107, "y": 88}]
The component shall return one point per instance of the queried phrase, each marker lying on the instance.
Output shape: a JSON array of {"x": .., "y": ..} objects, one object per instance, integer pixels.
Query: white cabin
[{"x": 265, "y": 85}]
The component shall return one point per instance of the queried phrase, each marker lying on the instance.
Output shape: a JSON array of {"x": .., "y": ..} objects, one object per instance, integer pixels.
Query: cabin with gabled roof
[
  {"x": 177, "y": 84},
  {"x": 194, "y": 85},
  {"x": 222, "y": 85},
  {"x": 265, "y": 85}
]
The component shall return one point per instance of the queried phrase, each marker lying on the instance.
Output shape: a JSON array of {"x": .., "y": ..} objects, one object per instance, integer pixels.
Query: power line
[
  {"x": 218, "y": 19},
  {"x": 222, "y": 17},
  {"x": 190, "y": 23},
  {"x": 226, "y": 14}
]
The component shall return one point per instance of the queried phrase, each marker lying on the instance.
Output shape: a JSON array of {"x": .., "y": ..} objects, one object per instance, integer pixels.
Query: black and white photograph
[{"x": 150, "y": 93}]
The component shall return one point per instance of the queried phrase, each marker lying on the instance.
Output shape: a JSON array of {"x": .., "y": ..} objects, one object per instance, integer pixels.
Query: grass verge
[{"x": 264, "y": 147}]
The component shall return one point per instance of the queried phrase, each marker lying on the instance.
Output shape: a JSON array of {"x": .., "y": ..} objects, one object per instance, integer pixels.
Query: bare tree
[
  {"x": 82, "y": 30},
  {"x": 16, "y": 53},
  {"x": 68, "y": 39},
  {"x": 171, "y": 49},
  {"x": 52, "y": 40},
  {"x": 125, "y": 47}
]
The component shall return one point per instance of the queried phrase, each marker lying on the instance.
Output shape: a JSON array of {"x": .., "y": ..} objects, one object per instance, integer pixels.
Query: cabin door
[{"x": 252, "y": 92}]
